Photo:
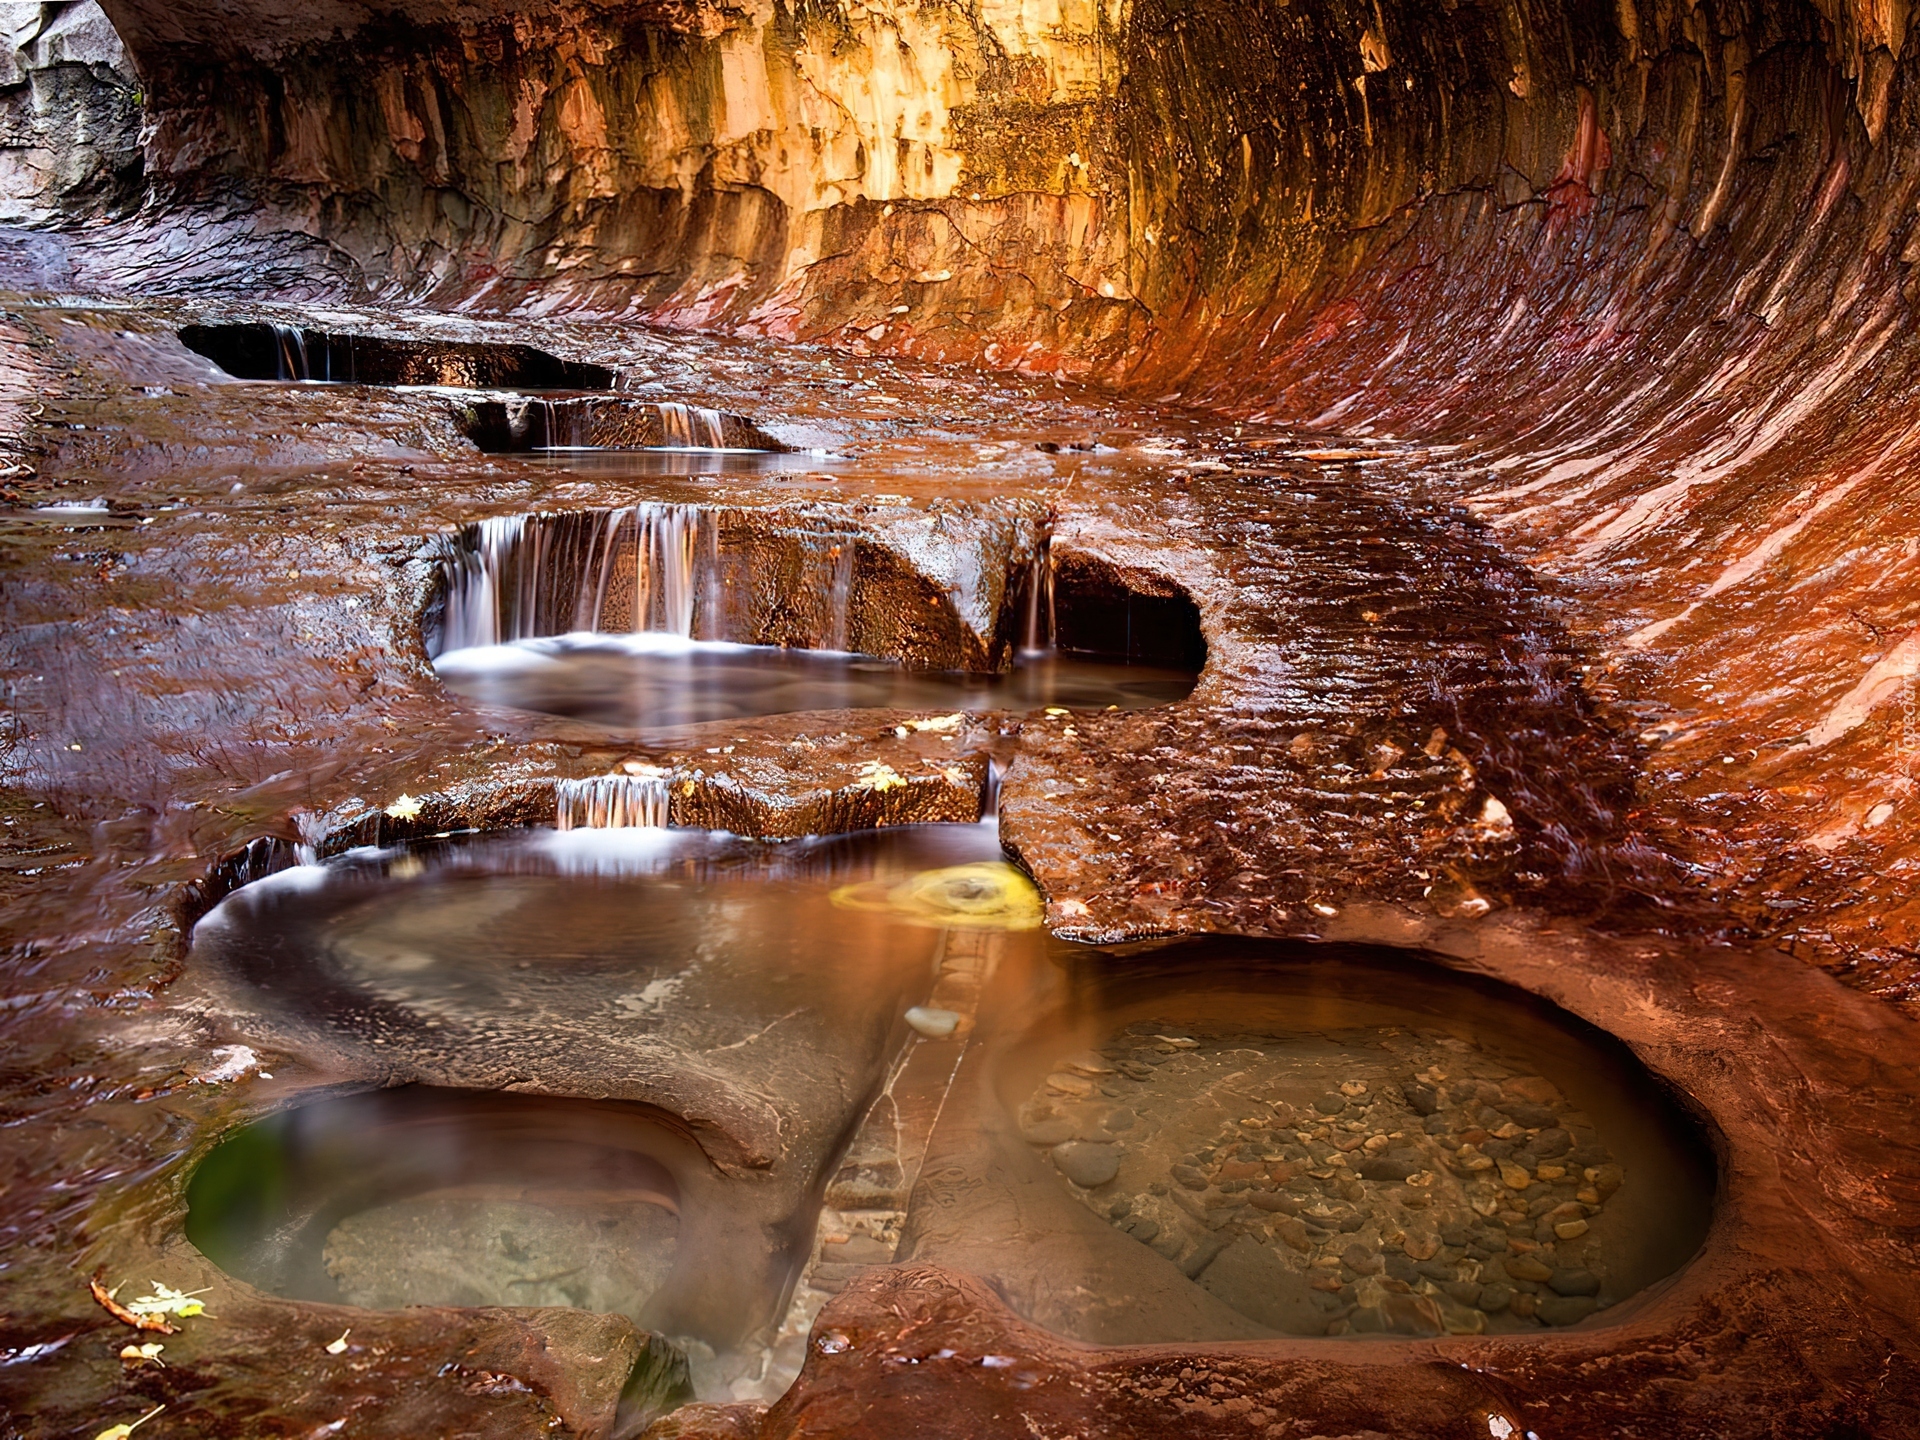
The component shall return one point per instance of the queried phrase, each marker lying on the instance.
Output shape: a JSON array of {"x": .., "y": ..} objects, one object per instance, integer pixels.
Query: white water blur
[
  {"x": 612, "y": 802},
  {"x": 691, "y": 427},
  {"x": 1038, "y": 632},
  {"x": 587, "y": 423},
  {"x": 669, "y": 537},
  {"x": 290, "y": 343},
  {"x": 512, "y": 575}
]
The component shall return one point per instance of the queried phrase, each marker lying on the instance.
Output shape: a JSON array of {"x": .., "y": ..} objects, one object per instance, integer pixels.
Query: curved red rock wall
[{"x": 1634, "y": 277}]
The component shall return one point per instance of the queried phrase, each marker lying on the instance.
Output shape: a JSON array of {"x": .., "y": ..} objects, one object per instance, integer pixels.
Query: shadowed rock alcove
[{"x": 291, "y": 352}]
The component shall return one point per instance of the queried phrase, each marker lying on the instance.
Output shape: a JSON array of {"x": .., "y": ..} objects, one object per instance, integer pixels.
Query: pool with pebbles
[{"x": 1330, "y": 1164}]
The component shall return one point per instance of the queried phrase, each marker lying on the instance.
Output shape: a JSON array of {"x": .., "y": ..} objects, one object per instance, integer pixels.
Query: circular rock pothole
[{"x": 1300, "y": 1142}]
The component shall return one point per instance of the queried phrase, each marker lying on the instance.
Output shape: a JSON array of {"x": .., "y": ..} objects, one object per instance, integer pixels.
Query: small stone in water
[
  {"x": 1087, "y": 1164},
  {"x": 1525, "y": 1267},
  {"x": 1536, "y": 1088},
  {"x": 1532, "y": 1117},
  {"x": 1294, "y": 1232},
  {"x": 1047, "y": 1130},
  {"x": 1189, "y": 1178},
  {"x": 1493, "y": 1298},
  {"x": 1574, "y": 1282},
  {"x": 1565, "y": 1309},
  {"x": 1086, "y": 1063},
  {"x": 1362, "y": 1261},
  {"x": 934, "y": 1024},
  {"x": 1067, "y": 1084},
  {"x": 1552, "y": 1144}
]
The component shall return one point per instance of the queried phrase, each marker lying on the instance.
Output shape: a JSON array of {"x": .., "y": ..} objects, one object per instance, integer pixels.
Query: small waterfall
[
  {"x": 612, "y": 802},
  {"x": 691, "y": 427},
  {"x": 518, "y": 577},
  {"x": 990, "y": 794},
  {"x": 1038, "y": 637},
  {"x": 312, "y": 830},
  {"x": 668, "y": 537},
  {"x": 476, "y": 610},
  {"x": 576, "y": 433},
  {"x": 291, "y": 343},
  {"x": 840, "y": 597}
]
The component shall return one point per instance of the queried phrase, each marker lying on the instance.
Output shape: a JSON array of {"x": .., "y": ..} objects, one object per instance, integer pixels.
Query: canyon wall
[
  {"x": 69, "y": 113},
  {"x": 1633, "y": 279}
]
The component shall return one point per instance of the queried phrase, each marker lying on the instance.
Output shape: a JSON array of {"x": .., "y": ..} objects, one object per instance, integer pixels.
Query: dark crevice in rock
[
  {"x": 1125, "y": 613},
  {"x": 514, "y": 424},
  {"x": 286, "y": 352}
]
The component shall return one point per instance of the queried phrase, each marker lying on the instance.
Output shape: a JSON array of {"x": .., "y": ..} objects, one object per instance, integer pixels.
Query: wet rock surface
[{"x": 1390, "y": 744}]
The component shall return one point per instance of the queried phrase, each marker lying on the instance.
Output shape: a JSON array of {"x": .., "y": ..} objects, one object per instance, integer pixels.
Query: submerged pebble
[
  {"x": 934, "y": 1024},
  {"x": 1087, "y": 1164}
]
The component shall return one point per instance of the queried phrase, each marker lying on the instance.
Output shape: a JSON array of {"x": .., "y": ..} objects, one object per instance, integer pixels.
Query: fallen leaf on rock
[
  {"x": 338, "y": 1347},
  {"x": 165, "y": 1300},
  {"x": 103, "y": 1297},
  {"x": 879, "y": 777},
  {"x": 405, "y": 808}
]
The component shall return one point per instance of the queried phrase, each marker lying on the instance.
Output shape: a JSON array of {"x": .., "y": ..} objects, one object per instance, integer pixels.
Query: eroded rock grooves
[{"x": 1543, "y": 529}]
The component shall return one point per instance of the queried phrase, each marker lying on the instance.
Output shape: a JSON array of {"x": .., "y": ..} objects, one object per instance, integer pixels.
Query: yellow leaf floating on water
[
  {"x": 939, "y": 724},
  {"x": 149, "y": 1351},
  {"x": 121, "y": 1432},
  {"x": 405, "y": 808},
  {"x": 990, "y": 895}
]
